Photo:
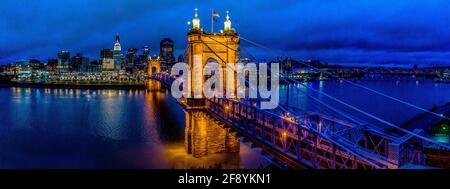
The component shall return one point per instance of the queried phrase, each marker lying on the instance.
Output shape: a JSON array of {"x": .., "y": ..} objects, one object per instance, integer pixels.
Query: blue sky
[{"x": 358, "y": 32}]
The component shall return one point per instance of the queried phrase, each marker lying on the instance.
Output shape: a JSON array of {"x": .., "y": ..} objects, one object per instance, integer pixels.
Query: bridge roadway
[
  {"x": 238, "y": 132},
  {"x": 311, "y": 140}
]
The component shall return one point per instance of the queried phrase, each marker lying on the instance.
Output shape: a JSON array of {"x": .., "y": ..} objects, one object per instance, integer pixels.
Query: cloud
[{"x": 336, "y": 31}]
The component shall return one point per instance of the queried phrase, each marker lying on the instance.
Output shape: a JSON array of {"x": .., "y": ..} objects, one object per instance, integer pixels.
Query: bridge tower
[
  {"x": 220, "y": 47},
  {"x": 153, "y": 65}
]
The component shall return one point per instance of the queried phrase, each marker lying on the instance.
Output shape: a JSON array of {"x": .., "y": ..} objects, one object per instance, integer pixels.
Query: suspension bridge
[{"x": 300, "y": 138}]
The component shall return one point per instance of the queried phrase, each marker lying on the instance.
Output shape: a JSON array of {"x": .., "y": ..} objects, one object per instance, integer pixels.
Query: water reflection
[
  {"x": 425, "y": 94},
  {"x": 442, "y": 138},
  {"x": 203, "y": 136},
  {"x": 77, "y": 128}
]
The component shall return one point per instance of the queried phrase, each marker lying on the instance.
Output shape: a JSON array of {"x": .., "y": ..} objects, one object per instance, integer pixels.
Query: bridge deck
[{"x": 310, "y": 140}]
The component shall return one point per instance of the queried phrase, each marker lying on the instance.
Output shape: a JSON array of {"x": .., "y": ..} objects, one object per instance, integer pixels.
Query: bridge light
[{"x": 196, "y": 20}]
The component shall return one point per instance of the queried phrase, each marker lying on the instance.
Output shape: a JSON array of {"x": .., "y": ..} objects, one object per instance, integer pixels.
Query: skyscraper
[
  {"x": 107, "y": 60},
  {"x": 140, "y": 63},
  {"x": 146, "y": 50},
  {"x": 79, "y": 63},
  {"x": 180, "y": 58},
  {"x": 94, "y": 66},
  {"x": 63, "y": 61},
  {"x": 52, "y": 64},
  {"x": 166, "y": 54},
  {"x": 131, "y": 57},
  {"x": 36, "y": 64},
  {"x": 75, "y": 62},
  {"x": 117, "y": 54}
]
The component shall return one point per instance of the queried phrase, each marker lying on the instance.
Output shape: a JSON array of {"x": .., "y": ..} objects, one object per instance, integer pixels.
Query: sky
[{"x": 345, "y": 32}]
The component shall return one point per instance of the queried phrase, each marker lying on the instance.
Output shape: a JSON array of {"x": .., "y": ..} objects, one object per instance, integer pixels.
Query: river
[{"x": 75, "y": 128}]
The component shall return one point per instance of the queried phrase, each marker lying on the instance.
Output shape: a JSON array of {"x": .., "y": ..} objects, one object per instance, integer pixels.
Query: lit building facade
[
  {"x": 63, "y": 61},
  {"x": 131, "y": 57},
  {"x": 117, "y": 54},
  {"x": 107, "y": 60},
  {"x": 22, "y": 68},
  {"x": 146, "y": 50},
  {"x": 52, "y": 64},
  {"x": 166, "y": 54}
]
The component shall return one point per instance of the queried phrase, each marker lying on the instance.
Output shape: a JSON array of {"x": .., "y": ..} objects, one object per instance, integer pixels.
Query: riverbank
[
  {"x": 434, "y": 156},
  {"x": 426, "y": 120},
  {"x": 78, "y": 85}
]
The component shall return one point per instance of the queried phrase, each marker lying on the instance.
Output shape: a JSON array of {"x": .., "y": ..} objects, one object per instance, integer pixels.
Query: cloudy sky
[{"x": 356, "y": 32}]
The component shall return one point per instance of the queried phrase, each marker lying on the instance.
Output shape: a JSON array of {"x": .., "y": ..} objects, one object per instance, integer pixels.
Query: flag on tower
[{"x": 215, "y": 15}]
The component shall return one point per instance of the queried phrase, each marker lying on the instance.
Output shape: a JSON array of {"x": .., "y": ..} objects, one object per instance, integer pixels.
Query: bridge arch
[
  {"x": 312, "y": 139},
  {"x": 211, "y": 48},
  {"x": 153, "y": 66}
]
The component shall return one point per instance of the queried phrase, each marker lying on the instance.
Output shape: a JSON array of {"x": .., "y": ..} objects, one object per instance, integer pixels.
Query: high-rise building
[
  {"x": 107, "y": 60},
  {"x": 85, "y": 64},
  {"x": 63, "y": 61},
  {"x": 75, "y": 62},
  {"x": 23, "y": 67},
  {"x": 141, "y": 63},
  {"x": 52, "y": 64},
  {"x": 94, "y": 66},
  {"x": 36, "y": 64},
  {"x": 79, "y": 63},
  {"x": 106, "y": 53},
  {"x": 146, "y": 50},
  {"x": 143, "y": 58},
  {"x": 180, "y": 58},
  {"x": 131, "y": 57},
  {"x": 166, "y": 54},
  {"x": 117, "y": 46},
  {"x": 117, "y": 54}
]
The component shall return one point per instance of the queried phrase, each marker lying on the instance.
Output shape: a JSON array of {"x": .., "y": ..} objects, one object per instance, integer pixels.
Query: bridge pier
[
  {"x": 204, "y": 135},
  {"x": 311, "y": 139},
  {"x": 195, "y": 102}
]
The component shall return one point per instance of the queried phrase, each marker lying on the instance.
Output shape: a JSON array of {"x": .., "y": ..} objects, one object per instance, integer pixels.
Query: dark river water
[
  {"x": 70, "y": 128},
  {"x": 73, "y": 128},
  {"x": 421, "y": 93}
]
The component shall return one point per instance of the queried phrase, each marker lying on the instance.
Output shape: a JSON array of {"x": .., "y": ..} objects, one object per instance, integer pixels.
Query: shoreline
[
  {"x": 438, "y": 109},
  {"x": 117, "y": 86}
]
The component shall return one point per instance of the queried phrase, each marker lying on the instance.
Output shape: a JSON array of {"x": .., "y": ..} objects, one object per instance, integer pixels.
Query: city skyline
[
  {"x": 402, "y": 33},
  {"x": 248, "y": 85}
]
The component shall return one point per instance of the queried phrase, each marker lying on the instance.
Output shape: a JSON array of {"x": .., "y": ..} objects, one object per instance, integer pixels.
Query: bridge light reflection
[{"x": 287, "y": 116}]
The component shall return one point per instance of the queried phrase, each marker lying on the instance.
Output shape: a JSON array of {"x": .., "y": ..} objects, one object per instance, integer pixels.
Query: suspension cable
[
  {"x": 228, "y": 65},
  {"x": 282, "y": 77},
  {"x": 350, "y": 106},
  {"x": 355, "y": 84}
]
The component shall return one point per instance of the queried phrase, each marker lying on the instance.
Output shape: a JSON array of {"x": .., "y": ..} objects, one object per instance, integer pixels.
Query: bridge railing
[
  {"x": 297, "y": 139},
  {"x": 164, "y": 78},
  {"x": 361, "y": 136},
  {"x": 381, "y": 146},
  {"x": 316, "y": 140}
]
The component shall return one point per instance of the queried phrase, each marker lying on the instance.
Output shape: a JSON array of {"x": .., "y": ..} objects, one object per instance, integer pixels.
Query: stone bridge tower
[
  {"x": 221, "y": 47},
  {"x": 153, "y": 66}
]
